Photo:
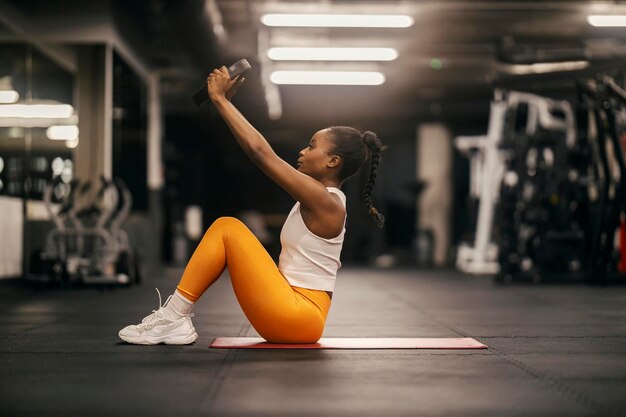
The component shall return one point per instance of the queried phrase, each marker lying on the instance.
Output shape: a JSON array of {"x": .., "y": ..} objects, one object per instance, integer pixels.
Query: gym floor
[{"x": 554, "y": 350}]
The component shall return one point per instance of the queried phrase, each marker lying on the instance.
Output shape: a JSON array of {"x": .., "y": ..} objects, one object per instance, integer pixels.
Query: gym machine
[
  {"x": 487, "y": 167},
  {"x": 542, "y": 215},
  {"x": 550, "y": 181},
  {"x": 87, "y": 244},
  {"x": 605, "y": 102}
]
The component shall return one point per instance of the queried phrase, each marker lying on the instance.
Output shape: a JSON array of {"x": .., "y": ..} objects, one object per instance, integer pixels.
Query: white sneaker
[{"x": 156, "y": 328}]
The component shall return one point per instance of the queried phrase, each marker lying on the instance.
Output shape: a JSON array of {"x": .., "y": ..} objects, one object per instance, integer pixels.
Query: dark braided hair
[
  {"x": 375, "y": 146},
  {"x": 355, "y": 149}
]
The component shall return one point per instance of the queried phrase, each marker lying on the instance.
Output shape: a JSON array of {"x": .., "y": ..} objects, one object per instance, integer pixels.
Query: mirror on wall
[
  {"x": 50, "y": 150},
  {"x": 38, "y": 122},
  {"x": 13, "y": 90},
  {"x": 38, "y": 140}
]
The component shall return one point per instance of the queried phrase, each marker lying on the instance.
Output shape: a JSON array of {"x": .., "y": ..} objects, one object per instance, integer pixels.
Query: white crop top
[{"x": 307, "y": 260}]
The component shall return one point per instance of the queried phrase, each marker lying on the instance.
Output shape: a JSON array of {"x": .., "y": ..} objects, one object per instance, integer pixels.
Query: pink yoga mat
[{"x": 352, "y": 343}]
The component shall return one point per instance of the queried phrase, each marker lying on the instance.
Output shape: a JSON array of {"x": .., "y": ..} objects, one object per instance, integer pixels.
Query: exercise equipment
[
  {"x": 240, "y": 67},
  {"x": 87, "y": 244},
  {"x": 550, "y": 182},
  {"x": 352, "y": 343},
  {"x": 542, "y": 213},
  {"x": 487, "y": 165},
  {"x": 487, "y": 168},
  {"x": 605, "y": 101}
]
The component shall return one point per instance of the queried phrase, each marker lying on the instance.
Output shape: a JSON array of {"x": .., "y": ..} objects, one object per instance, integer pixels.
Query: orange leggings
[{"x": 279, "y": 312}]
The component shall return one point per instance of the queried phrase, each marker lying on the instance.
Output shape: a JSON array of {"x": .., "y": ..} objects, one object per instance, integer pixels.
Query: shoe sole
[{"x": 158, "y": 340}]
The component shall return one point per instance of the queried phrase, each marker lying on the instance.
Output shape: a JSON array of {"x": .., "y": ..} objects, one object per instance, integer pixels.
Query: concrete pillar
[
  {"x": 434, "y": 167},
  {"x": 155, "y": 171},
  {"x": 155, "y": 132},
  {"x": 93, "y": 155}
]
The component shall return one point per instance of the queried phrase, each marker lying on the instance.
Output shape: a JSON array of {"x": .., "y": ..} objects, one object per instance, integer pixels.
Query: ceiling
[{"x": 450, "y": 59}]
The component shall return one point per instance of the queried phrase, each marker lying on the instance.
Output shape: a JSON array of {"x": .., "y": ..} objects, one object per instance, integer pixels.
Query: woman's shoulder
[{"x": 337, "y": 191}]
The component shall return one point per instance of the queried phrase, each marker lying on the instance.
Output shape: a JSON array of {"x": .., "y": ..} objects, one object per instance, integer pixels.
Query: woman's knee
[
  {"x": 227, "y": 224},
  {"x": 227, "y": 221}
]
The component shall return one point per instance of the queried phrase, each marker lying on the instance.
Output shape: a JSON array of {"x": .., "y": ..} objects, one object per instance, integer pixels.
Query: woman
[{"x": 288, "y": 303}]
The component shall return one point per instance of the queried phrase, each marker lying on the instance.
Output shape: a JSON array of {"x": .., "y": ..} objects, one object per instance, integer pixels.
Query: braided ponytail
[
  {"x": 374, "y": 146},
  {"x": 355, "y": 149}
]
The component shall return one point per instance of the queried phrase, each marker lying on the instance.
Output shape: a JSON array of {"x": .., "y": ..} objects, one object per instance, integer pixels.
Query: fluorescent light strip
[
  {"x": 8, "y": 97},
  {"x": 72, "y": 143},
  {"x": 44, "y": 111},
  {"x": 607, "y": 20},
  {"x": 332, "y": 54},
  {"x": 546, "y": 67},
  {"x": 337, "y": 20},
  {"x": 327, "y": 77},
  {"x": 62, "y": 132}
]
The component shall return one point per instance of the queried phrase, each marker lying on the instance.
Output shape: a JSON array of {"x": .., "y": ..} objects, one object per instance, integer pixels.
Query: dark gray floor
[{"x": 555, "y": 350}]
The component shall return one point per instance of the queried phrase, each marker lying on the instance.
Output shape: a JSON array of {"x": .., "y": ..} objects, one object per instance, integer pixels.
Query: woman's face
[{"x": 315, "y": 159}]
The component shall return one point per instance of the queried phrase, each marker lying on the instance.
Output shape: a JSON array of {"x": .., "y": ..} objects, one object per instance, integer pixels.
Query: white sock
[{"x": 177, "y": 307}]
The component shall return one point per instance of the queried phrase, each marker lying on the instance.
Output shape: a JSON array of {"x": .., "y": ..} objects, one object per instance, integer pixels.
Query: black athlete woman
[{"x": 287, "y": 303}]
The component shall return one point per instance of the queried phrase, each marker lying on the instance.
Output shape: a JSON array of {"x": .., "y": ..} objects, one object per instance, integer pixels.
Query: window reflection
[{"x": 35, "y": 95}]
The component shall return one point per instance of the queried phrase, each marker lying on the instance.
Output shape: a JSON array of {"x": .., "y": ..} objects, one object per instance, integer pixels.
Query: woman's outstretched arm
[{"x": 303, "y": 188}]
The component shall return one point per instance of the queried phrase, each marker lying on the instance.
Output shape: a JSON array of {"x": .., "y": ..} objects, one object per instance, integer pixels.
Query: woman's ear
[{"x": 334, "y": 161}]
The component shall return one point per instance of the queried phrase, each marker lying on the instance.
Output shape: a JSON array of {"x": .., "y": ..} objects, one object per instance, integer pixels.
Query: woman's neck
[{"x": 330, "y": 182}]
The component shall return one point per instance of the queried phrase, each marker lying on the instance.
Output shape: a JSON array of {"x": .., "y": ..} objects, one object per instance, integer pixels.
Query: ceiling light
[
  {"x": 337, "y": 20},
  {"x": 62, "y": 132},
  {"x": 8, "y": 97},
  {"x": 44, "y": 111},
  {"x": 8, "y": 94},
  {"x": 327, "y": 77},
  {"x": 545, "y": 67},
  {"x": 607, "y": 20},
  {"x": 332, "y": 54},
  {"x": 72, "y": 143}
]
